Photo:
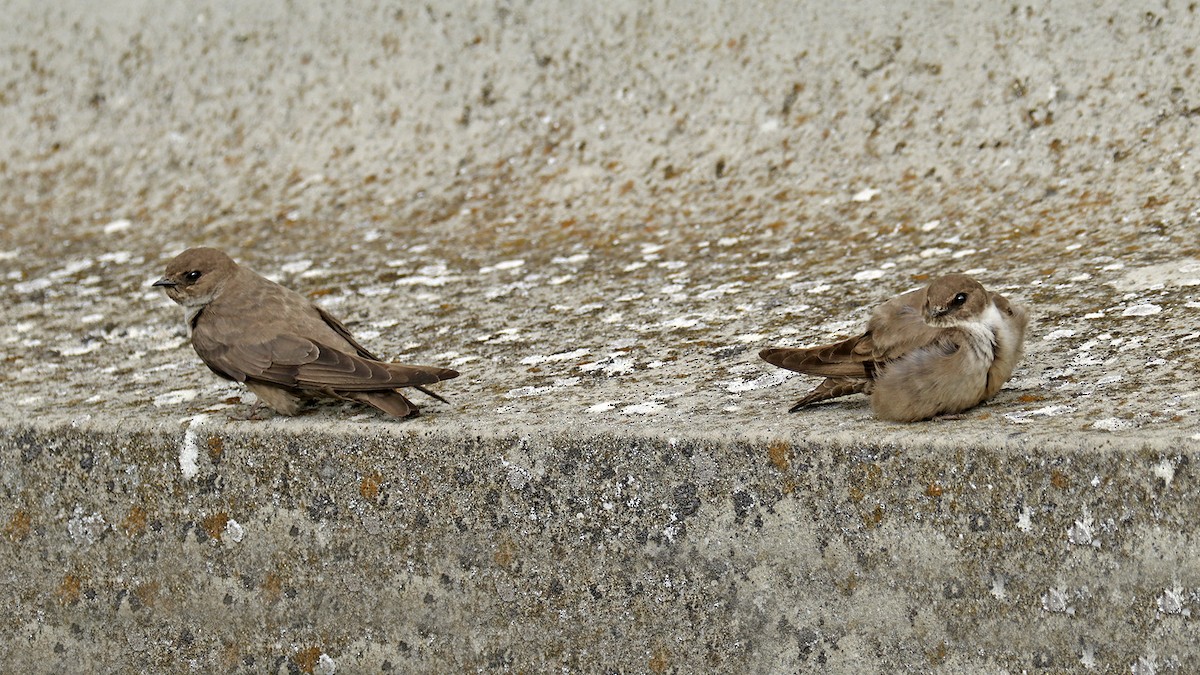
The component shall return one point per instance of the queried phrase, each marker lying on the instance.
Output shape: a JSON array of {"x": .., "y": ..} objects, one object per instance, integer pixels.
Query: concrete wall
[
  {"x": 441, "y": 552},
  {"x": 599, "y": 215}
]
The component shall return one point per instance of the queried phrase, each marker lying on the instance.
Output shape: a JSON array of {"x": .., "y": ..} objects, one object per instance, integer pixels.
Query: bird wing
[
  {"x": 298, "y": 362},
  {"x": 898, "y": 327},
  {"x": 849, "y": 358},
  {"x": 344, "y": 333},
  {"x": 895, "y": 329}
]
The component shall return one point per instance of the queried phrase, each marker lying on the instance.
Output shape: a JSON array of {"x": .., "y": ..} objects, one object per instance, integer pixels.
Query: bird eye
[
  {"x": 959, "y": 300},
  {"x": 192, "y": 277}
]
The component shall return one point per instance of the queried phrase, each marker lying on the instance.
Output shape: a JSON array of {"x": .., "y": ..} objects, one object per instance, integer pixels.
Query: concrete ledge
[{"x": 388, "y": 549}]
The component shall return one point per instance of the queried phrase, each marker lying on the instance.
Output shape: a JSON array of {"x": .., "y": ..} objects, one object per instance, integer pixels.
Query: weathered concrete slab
[
  {"x": 292, "y": 544},
  {"x": 600, "y": 215}
]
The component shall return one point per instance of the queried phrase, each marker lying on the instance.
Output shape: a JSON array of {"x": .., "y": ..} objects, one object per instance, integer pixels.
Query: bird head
[
  {"x": 194, "y": 277},
  {"x": 953, "y": 299}
]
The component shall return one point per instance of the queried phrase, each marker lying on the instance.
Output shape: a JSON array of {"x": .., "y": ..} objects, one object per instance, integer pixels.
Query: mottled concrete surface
[
  {"x": 436, "y": 551},
  {"x": 599, "y": 215}
]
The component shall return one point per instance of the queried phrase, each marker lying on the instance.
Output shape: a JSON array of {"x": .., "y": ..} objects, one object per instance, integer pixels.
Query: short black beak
[{"x": 165, "y": 282}]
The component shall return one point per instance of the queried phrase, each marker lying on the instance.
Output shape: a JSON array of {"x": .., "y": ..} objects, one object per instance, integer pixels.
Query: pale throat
[
  {"x": 983, "y": 329},
  {"x": 191, "y": 308},
  {"x": 189, "y": 314}
]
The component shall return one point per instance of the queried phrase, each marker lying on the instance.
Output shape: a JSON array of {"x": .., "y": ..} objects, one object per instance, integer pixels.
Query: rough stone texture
[
  {"x": 588, "y": 551},
  {"x": 599, "y": 215}
]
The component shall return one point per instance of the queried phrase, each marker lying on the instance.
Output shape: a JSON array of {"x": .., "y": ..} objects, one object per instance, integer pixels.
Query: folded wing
[
  {"x": 297, "y": 362},
  {"x": 849, "y": 358}
]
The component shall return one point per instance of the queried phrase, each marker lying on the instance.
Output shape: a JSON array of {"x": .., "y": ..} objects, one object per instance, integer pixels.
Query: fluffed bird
[
  {"x": 283, "y": 347},
  {"x": 935, "y": 351}
]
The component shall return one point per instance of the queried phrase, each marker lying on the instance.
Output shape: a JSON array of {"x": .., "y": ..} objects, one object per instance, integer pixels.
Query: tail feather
[
  {"x": 431, "y": 373},
  {"x": 847, "y": 358},
  {"x": 429, "y": 393},
  {"x": 832, "y": 387},
  {"x": 438, "y": 374}
]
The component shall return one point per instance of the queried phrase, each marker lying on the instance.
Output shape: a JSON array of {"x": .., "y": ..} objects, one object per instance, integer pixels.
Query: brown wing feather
[
  {"x": 848, "y": 358},
  {"x": 293, "y": 361},
  {"x": 832, "y": 387},
  {"x": 232, "y": 360},
  {"x": 391, "y": 402},
  {"x": 335, "y": 369},
  {"x": 898, "y": 327},
  {"x": 344, "y": 333}
]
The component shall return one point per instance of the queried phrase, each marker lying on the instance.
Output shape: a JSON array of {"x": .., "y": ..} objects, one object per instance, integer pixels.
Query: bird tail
[
  {"x": 434, "y": 374},
  {"x": 430, "y": 394},
  {"x": 832, "y": 387},
  {"x": 848, "y": 358},
  {"x": 417, "y": 375}
]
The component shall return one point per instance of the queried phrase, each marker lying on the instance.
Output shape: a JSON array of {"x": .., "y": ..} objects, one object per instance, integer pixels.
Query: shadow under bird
[
  {"x": 934, "y": 351},
  {"x": 283, "y": 347}
]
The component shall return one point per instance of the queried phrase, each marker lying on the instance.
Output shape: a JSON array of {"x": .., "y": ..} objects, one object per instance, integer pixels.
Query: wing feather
[
  {"x": 898, "y": 327},
  {"x": 848, "y": 358},
  {"x": 344, "y": 333},
  {"x": 297, "y": 362}
]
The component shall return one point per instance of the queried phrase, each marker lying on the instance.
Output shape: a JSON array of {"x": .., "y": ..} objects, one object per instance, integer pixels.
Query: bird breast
[{"x": 981, "y": 338}]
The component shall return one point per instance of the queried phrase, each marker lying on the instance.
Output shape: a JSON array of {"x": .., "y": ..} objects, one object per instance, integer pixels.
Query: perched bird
[
  {"x": 935, "y": 351},
  {"x": 282, "y": 347}
]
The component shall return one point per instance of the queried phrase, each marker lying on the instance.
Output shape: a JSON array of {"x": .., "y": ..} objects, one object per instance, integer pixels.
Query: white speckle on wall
[
  {"x": 503, "y": 265},
  {"x": 647, "y": 408},
  {"x": 560, "y": 356},
  {"x": 234, "y": 531},
  {"x": 1112, "y": 424},
  {"x": 175, "y": 397},
  {"x": 85, "y": 528},
  {"x": 1059, "y": 334},
  {"x": 1082, "y": 533},
  {"x": 296, "y": 267},
  {"x": 1025, "y": 519},
  {"x": 865, "y": 195},
  {"x": 869, "y": 275},
  {"x": 1142, "y": 310},
  {"x": 1172, "y": 601},
  {"x": 1056, "y": 600},
  {"x": 1164, "y": 470},
  {"x": 189, "y": 453}
]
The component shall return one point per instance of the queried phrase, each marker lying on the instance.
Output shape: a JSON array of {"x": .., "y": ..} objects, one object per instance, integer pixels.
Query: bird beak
[{"x": 165, "y": 282}]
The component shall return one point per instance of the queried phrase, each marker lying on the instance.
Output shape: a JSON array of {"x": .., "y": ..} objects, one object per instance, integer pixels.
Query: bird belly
[{"x": 928, "y": 382}]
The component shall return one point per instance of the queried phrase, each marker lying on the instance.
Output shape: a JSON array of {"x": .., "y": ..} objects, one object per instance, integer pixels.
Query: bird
[
  {"x": 284, "y": 348},
  {"x": 933, "y": 352}
]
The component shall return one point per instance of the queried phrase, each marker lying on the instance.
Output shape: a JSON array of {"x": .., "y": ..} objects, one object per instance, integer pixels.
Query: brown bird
[
  {"x": 935, "y": 351},
  {"x": 284, "y": 348}
]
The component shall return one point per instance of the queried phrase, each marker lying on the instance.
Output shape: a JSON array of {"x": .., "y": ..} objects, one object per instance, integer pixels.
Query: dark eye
[
  {"x": 958, "y": 300},
  {"x": 192, "y": 277}
]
